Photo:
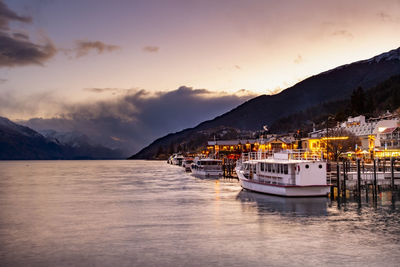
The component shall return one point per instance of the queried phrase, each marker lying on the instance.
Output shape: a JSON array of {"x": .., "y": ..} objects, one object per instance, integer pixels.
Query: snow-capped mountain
[
  {"x": 19, "y": 142},
  {"x": 391, "y": 55}
]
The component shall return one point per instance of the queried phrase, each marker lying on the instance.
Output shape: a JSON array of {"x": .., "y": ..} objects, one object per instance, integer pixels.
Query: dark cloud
[
  {"x": 19, "y": 52},
  {"x": 3, "y": 80},
  {"x": 133, "y": 120},
  {"x": 344, "y": 33},
  {"x": 19, "y": 35},
  {"x": 238, "y": 67},
  {"x": 84, "y": 47},
  {"x": 15, "y": 48},
  {"x": 7, "y": 15},
  {"x": 151, "y": 49}
]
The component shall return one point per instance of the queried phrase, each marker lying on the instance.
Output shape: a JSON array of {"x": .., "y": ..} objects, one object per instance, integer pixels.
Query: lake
[{"x": 149, "y": 213}]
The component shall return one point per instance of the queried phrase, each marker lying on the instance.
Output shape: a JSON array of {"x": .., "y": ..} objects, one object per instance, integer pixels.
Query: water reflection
[
  {"x": 148, "y": 213},
  {"x": 315, "y": 206}
]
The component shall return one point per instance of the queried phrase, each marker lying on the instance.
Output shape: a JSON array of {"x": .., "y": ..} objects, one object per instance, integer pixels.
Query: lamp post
[{"x": 327, "y": 139}]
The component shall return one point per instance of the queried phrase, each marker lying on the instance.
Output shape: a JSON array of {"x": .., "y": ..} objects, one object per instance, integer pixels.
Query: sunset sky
[{"x": 68, "y": 57}]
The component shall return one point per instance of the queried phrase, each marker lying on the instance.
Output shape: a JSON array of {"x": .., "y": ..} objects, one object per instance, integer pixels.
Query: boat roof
[
  {"x": 206, "y": 159},
  {"x": 282, "y": 161}
]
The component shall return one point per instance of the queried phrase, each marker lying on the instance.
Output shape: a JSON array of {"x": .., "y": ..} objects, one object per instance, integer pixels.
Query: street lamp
[{"x": 327, "y": 138}]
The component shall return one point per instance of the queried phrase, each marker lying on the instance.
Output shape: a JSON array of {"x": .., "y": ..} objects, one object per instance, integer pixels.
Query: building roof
[
  {"x": 232, "y": 142},
  {"x": 389, "y": 130}
]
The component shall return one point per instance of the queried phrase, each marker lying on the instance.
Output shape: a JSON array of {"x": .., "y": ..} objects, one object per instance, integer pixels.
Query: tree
[
  {"x": 160, "y": 150},
  {"x": 357, "y": 101},
  {"x": 339, "y": 146},
  {"x": 179, "y": 148},
  {"x": 171, "y": 149}
]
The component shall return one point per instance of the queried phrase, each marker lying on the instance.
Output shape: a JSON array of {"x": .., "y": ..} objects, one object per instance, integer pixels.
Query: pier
[
  {"x": 349, "y": 177},
  {"x": 228, "y": 168}
]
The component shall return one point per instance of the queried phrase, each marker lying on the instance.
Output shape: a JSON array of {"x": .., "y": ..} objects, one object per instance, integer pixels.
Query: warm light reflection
[{"x": 217, "y": 190}]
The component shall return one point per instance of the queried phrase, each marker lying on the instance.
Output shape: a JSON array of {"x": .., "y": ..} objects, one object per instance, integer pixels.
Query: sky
[{"x": 161, "y": 66}]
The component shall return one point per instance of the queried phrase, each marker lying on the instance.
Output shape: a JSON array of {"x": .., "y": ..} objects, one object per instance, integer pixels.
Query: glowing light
[{"x": 335, "y": 138}]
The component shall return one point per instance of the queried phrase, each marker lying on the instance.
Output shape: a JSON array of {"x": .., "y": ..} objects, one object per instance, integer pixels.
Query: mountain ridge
[
  {"x": 19, "y": 142},
  {"x": 337, "y": 84}
]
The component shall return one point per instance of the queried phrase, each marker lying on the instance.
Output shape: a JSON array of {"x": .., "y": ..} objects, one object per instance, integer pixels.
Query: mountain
[
  {"x": 333, "y": 85},
  {"x": 371, "y": 103},
  {"x": 18, "y": 142}
]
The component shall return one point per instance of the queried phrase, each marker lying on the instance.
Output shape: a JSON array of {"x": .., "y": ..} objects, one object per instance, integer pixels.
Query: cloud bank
[{"x": 134, "y": 119}]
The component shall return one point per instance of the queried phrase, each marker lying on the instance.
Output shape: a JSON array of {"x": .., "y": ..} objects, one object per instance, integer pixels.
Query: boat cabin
[{"x": 288, "y": 172}]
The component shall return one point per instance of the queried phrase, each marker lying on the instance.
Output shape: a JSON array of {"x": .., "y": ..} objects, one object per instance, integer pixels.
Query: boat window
[
  {"x": 285, "y": 169},
  {"x": 262, "y": 167},
  {"x": 320, "y": 166},
  {"x": 269, "y": 167},
  {"x": 307, "y": 166},
  {"x": 273, "y": 167}
]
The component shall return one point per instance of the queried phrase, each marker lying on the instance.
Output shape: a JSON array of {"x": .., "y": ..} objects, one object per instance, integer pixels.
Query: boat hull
[
  {"x": 287, "y": 191},
  {"x": 283, "y": 190},
  {"x": 207, "y": 173}
]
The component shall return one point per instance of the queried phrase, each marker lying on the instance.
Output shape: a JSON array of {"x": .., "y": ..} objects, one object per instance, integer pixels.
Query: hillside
[
  {"x": 333, "y": 85},
  {"x": 371, "y": 103},
  {"x": 18, "y": 142}
]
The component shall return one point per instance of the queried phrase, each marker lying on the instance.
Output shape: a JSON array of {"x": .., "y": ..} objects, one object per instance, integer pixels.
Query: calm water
[{"x": 144, "y": 213}]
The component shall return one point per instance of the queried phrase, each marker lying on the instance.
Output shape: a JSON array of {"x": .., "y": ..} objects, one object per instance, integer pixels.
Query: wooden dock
[
  {"x": 228, "y": 168},
  {"x": 357, "y": 177}
]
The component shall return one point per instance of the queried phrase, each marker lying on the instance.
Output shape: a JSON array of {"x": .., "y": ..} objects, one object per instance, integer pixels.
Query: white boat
[
  {"x": 206, "y": 167},
  {"x": 177, "y": 159},
  {"x": 187, "y": 163},
  {"x": 288, "y": 173}
]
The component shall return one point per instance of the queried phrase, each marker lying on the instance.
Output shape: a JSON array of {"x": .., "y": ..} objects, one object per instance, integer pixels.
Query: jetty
[{"x": 358, "y": 176}]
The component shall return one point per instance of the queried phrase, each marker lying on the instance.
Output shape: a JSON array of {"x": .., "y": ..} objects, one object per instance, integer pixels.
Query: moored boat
[
  {"x": 288, "y": 173},
  {"x": 177, "y": 159},
  {"x": 186, "y": 163},
  {"x": 207, "y": 167}
]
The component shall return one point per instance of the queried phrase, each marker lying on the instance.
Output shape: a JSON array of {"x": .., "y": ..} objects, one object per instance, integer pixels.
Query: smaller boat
[
  {"x": 177, "y": 159},
  {"x": 186, "y": 163},
  {"x": 206, "y": 167}
]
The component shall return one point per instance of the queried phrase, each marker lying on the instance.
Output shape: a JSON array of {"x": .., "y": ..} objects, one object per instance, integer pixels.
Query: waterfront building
[
  {"x": 387, "y": 138},
  {"x": 361, "y": 128},
  {"x": 234, "y": 148},
  {"x": 379, "y": 136},
  {"x": 231, "y": 148}
]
